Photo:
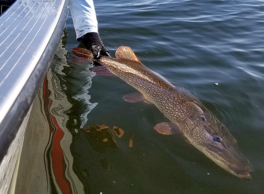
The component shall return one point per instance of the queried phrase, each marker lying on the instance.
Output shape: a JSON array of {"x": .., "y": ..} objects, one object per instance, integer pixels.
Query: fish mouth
[
  {"x": 231, "y": 160},
  {"x": 242, "y": 174}
]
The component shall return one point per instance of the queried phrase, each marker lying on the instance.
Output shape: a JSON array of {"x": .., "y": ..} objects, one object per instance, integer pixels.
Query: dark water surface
[{"x": 213, "y": 48}]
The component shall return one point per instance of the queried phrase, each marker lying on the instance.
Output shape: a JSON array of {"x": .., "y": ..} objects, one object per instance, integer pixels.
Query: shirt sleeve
[{"x": 84, "y": 17}]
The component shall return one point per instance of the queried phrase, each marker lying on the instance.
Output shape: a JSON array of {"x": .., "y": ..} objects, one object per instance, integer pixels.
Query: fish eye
[
  {"x": 216, "y": 138},
  {"x": 203, "y": 119}
]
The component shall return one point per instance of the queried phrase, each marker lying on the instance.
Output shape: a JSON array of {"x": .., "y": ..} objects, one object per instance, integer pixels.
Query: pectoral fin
[
  {"x": 102, "y": 71},
  {"x": 126, "y": 52},
  {"x": 167, "y": 128},
  {"x": 135, "y": 97}
]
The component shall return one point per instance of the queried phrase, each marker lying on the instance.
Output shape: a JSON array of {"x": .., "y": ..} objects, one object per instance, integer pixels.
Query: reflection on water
[
  {"x": 67, "y": 102},
  {"x": 65, "y": 105},
  {"x": 60, "y": 161},
  {"x": 69, "y": 106}
]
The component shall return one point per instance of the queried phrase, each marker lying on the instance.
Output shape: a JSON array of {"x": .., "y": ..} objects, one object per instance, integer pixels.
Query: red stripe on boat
[{"x": 58, "y": 164}]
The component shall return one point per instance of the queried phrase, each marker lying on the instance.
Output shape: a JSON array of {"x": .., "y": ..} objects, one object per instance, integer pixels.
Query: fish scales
[{"x": 168, "y": 98}]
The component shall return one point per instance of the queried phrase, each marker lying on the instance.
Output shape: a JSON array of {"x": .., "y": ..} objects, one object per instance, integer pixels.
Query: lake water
[{"x": 214, "y": 48}]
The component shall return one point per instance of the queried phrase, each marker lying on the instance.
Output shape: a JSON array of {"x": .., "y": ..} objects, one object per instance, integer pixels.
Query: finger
[
  {"x": 105, "y": 53},
  {"x": 96, "y": 49}
]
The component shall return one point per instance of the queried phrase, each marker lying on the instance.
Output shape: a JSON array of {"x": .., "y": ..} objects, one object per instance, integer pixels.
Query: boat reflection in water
[{"x": 55, "y": 139}]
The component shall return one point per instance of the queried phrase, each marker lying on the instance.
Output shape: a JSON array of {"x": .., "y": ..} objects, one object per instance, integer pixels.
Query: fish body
[{"x": 199, "y": 126}]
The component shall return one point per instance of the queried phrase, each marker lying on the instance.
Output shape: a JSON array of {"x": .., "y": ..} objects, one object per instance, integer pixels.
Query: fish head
[{"x": 212, "y": 138}]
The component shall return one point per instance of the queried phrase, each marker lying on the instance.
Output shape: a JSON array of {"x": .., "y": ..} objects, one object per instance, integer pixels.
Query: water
[{"x": 213, "y": 48}]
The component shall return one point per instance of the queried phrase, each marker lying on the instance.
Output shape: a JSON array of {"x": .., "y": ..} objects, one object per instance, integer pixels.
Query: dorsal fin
[{"x": 126, "y": 52}]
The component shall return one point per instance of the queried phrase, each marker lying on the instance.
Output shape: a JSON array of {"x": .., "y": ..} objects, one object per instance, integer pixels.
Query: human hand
[{"x": 93, "y": 42}]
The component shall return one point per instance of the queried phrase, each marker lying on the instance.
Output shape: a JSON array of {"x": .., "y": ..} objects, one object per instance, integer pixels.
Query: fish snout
[
  {"x": 243, "y": 174},
  {"x": 231, "y": 159}
]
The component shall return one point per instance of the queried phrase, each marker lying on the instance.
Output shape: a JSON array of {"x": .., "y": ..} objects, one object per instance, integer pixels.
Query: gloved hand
[{"x": 93, "y": 42}]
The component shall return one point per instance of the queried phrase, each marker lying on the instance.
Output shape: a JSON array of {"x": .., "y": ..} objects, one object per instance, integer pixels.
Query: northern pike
[{"x": 186, "y": 113}]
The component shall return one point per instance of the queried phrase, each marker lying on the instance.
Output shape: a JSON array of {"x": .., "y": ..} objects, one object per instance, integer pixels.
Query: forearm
[{"x": 84, "y": 17}]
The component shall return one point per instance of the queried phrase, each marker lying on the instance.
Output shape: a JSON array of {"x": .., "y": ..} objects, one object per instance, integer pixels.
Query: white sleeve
[{"x": 84, "y": 17}]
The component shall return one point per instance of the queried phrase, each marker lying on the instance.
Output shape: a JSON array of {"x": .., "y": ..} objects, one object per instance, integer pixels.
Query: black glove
[{"x": 93, "y": 42}]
